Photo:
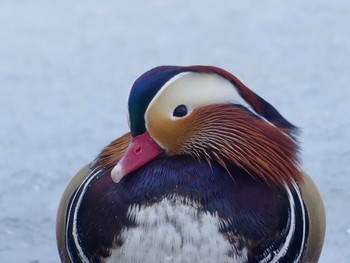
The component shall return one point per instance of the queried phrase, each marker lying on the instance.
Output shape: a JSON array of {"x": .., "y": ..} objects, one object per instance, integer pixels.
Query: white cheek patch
[{"x": 195, "y": 90}]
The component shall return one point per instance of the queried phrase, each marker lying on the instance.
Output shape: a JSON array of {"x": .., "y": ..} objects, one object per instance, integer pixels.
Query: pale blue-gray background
[{"x": 66, "y": 68}]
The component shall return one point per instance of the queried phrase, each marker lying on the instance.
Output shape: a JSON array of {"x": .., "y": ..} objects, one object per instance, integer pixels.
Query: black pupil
[{"x": 180, "y": 111}]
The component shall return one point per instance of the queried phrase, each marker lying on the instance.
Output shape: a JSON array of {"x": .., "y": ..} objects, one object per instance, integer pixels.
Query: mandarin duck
[{"x": 209, "y": 172}]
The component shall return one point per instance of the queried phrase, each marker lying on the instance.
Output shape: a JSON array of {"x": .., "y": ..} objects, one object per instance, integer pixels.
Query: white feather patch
[
  {"x": 197, "y": 90},
  {"x": 172, "y": 231}
]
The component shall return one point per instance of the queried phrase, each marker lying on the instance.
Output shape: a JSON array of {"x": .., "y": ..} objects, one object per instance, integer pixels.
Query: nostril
[{"x": 138, "y": 150}]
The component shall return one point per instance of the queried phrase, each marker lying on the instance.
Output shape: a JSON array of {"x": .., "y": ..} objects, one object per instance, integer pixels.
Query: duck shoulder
[
  {"x": 317, "y": 219},
  {"x": 109, "y": 156}
]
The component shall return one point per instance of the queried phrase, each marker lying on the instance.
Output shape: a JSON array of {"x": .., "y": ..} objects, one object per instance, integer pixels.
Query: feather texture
[{"x": 233, "y": 136}]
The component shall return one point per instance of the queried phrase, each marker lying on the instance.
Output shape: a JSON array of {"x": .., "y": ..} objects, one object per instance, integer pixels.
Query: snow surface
[{"x": 66, "y": 68}]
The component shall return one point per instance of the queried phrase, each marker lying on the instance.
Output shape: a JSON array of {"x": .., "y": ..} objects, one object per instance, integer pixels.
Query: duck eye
[{"x": 180, "y": 111}]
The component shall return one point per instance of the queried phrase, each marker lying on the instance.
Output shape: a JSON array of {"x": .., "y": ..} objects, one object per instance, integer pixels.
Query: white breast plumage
[{"x": 174, "y": 230}]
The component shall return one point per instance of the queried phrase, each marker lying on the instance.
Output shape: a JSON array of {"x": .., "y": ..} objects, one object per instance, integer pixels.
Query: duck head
[{"x": 207, "y": 113}]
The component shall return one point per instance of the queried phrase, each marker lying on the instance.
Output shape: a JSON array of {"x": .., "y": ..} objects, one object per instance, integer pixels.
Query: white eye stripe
[
  {"x": 196, "y": 90},
  {"x": 167, "y": 84}
]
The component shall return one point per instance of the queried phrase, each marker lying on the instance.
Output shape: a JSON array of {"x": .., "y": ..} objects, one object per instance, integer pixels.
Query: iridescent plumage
[{"x": 217, "y": 179}]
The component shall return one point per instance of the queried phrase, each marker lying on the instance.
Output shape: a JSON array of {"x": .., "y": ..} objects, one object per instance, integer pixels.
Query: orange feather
[
  {"x": 227, "y": 134},
  {"x": 112, "y": 153}
]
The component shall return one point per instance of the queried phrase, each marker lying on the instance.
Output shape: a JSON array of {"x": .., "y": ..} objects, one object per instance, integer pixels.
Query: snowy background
[{"x": 66, "y": 68}]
